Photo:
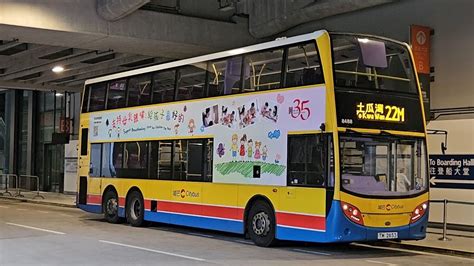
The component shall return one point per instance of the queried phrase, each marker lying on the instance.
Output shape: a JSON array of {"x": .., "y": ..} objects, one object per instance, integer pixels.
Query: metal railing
[
  {"x": 445, "y": 213},
  {"x": 7, "y": 183},
  {"x": 26, "y": 177}
]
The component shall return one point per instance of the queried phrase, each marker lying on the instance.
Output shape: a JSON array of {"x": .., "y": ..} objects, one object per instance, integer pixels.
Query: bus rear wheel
[
  {"x": 135, "y": 209},
  {"x": 261, "y": 224},
  {"x": 110, "y": 207}
]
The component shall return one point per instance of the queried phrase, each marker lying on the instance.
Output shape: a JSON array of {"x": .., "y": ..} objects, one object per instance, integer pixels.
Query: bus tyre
[
  {"x": 135, "y": 209},
  {"x": 111, "y": 207},
  {"x": 261, "y": 224}
]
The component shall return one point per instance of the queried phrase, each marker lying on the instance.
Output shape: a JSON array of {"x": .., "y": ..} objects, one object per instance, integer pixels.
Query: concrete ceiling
[{"x": 90, "y": 38}]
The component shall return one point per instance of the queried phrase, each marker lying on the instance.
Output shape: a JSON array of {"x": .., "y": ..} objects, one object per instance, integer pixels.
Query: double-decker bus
[{"x": 319, "y": 138}]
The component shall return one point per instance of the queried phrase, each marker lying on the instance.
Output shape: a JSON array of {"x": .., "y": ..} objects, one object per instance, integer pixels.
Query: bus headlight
[
  {"x": 352, "y": 213},
  {"x": 419, "y": 211}
]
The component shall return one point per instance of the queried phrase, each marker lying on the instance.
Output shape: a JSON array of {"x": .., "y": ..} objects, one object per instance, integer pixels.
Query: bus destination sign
[{"x": 378, "y": 111}]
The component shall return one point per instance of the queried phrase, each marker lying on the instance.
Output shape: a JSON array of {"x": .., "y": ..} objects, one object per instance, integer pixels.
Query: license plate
[{"x": 387, "y": 235}]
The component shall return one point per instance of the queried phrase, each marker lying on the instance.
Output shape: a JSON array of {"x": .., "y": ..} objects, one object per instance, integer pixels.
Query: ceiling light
[
  {"x": 363, "y": 40},
  {"x": 59, "y": 94},
  {"x": 58, "y": 69}
]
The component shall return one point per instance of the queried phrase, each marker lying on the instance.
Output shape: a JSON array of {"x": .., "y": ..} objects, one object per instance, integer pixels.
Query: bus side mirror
[{"x": 322, "y": 127}]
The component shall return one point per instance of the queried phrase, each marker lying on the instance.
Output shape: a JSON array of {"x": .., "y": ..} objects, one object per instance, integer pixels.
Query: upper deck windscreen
[{"x": 371, "y": 63}]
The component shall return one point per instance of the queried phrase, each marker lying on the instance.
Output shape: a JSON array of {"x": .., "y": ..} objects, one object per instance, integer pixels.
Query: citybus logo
[
  {"x": 389, "y": 207},
  {"x": 183, "y": 193}
]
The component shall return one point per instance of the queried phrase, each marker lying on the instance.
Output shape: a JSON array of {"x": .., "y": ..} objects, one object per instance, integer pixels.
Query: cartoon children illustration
[
  {"x": 242, "y": 145},
  {"x": 264, "y": 153},
  {"x": 233, "y": 148},
  {"x": 220, "y": 150},
  {"x": 249, "y": 148},
  {"x": 191, "y": 125},
  {"x": 257, "y": 149},
  {"x": 277, "y": 158}
]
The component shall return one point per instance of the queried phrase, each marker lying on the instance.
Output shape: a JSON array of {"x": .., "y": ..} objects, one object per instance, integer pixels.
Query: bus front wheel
[
  {"x": 261, "y": 224},
  {"x": 111, "y": 207},
  {"x": 135, "y": 209}
]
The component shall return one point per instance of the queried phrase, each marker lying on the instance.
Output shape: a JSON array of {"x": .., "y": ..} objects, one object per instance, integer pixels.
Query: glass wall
[
  {"x": 28, "y": 120},
  {"x": 49, "y": 157},
  {"x": 4, "y": 143},
  {"x": 23, "y": 133}
]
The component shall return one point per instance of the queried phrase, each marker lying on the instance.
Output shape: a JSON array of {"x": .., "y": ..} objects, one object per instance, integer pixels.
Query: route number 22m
[{"x": 299, "y": 110}]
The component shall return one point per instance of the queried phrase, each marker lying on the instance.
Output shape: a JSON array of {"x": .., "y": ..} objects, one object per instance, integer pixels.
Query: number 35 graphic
[{"x": 299, "y": 110}]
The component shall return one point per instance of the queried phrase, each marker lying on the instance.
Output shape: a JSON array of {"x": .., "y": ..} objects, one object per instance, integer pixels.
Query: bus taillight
[
  {"x": 352, "y": 213},
  {"x": 419, "y": 211}
]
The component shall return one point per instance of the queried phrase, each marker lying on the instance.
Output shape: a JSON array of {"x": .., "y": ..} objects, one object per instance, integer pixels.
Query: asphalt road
[{"x": 48, "y": 235}]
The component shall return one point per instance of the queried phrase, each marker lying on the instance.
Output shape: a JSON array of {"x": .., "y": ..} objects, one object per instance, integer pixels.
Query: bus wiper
[
  {"x": 348, "y": 130},
  {"x": 383, "y": 132}
]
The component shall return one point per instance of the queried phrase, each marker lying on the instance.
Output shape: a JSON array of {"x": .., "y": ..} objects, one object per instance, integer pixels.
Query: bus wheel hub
[
  {"x": 261, "y": 224},
  {"x": 111, "y": 206}
]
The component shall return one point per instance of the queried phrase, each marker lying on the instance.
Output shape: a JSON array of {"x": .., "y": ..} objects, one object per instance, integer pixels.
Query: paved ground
[{"x": 39, "y": 234}]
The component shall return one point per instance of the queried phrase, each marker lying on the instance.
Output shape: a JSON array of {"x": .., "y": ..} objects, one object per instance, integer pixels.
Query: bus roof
[{"x": 257, "y": 47}]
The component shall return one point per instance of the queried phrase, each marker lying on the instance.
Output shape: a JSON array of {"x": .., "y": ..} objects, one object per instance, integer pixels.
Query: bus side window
[
  {"x": 85, "y": 99},
  {"x": 225, "y": 76},
  {"x": 303, "y": 65},
  {"x": 117, "y": 159},
  {"x": 116, "y": 94},
  {"x": 163, "y": 86},
  {"x": 95, "y": 161},
  {"x": 97, "y": 97},
  {"x": 306, "y": 160},
  {"x": 330, "y": 163},
  {"x": 164, "y": 159},
  {"x": 153, "y": 170},
  {"x": 191, "y": 82},
  {"x": 196, "y": 160},
  {"x": 135, "y": 162},
  {"x": 107, "y": 166},
  {"x": 262, "y": 70},
  {"x": 139, "y": 90}
]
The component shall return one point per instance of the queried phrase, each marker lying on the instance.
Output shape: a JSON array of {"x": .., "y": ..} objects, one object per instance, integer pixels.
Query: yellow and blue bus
[{"x": 319, "y": 137}]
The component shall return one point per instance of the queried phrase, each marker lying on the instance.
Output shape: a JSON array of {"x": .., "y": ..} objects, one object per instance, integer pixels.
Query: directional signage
[{"x": 452, "y": 171}]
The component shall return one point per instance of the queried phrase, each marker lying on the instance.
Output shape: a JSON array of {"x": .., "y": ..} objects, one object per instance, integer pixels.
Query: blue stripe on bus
[
  {"x": 121, "y": 212},
  {"x": 196, "y": 221},
  {"x": 90, "y": 208}
]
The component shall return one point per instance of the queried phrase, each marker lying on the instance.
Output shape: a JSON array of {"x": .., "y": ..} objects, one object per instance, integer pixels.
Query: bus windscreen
[{"x": 371, "y": 63}]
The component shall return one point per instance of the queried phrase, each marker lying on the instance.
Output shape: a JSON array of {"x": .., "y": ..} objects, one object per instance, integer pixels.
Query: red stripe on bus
[
  {"x": 301, "y": 220},
  {"x": 204, "y": 210},
  {"x": 94, "y": 199},
  {"x": 147, "y": 205},
  {"x": 121, "y": 202},
  {"x": 223, "y": 212}
]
